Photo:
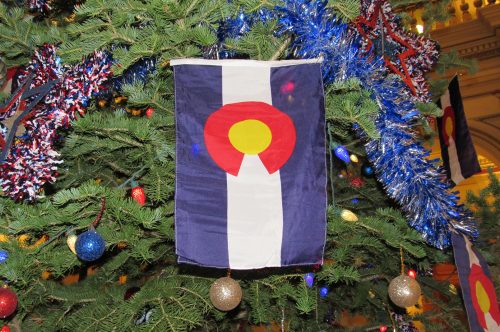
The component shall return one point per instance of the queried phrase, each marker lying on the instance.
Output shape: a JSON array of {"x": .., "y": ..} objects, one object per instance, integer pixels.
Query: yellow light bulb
[
  {"x": 71, "y": 241},
  {"x": 348, "y": 215}
]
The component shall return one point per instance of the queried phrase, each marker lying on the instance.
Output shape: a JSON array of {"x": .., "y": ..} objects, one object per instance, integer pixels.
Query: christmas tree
[
  {"x": 87, "y": 235},
  {"x": 485, "y": 206}
]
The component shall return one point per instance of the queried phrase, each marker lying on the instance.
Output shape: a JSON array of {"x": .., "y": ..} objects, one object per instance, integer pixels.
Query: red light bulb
[
  {"x": 412, "y": 274},
  {"x": 139, "y": 195}
]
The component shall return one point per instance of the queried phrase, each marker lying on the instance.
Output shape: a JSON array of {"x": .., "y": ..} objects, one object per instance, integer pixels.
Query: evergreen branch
[
  {"x": 96, "y": 322},
  {"x": 58, "y": 298},
  {"x": 281, "y": 49},
  {"x": 376, "y": 277},
  {"x": 123, "y": 139},
  {"x": 116, "y": 168},
  {"x": 348, "y": 9},
  {"x": 195, "y": 294}
]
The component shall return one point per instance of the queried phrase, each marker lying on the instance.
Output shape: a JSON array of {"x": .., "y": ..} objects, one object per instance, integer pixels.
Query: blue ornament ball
[
  {"x": 4, "y": 254},
  {"x": 90, "y": 246},
  {"x": 342, "y": 153},
  {"x": 323, "y": 292},
  {"x": 367, "y": 170},
  {"x": 309, "y": 279}
]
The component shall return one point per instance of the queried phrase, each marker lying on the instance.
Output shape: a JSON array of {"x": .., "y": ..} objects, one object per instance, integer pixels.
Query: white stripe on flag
[
  {"x": 254, "y": 207},
  {"x": 455, "y": 169}
]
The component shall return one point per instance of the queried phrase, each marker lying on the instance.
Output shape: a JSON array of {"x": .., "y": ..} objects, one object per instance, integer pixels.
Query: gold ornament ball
[
  {"x": 225, "y": 294},
  {"x": 404, "y": 291}
]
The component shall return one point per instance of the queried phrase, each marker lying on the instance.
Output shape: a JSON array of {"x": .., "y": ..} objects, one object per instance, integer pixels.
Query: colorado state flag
[
  {"x": 457, "y": 149},
  {"x": 251, "y": 167},
  {"x": 477, "y": 288}
]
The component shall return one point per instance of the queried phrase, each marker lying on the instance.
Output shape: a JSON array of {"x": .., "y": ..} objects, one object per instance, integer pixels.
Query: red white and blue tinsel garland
[
  {"x": 32, "y": 160},
  {"x": 40, "y": 6},
  {"x": 407, "y": 54},
  {"x": 418, "y": 185}
]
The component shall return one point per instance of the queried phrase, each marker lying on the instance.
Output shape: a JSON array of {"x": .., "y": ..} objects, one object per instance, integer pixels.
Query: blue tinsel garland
[{"x": 415, "y": 183}]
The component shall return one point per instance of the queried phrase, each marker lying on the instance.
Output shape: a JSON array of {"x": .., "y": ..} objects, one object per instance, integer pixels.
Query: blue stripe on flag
[
  {"x": 201, "y": 189},
  {"x": 303, "y": 177}
]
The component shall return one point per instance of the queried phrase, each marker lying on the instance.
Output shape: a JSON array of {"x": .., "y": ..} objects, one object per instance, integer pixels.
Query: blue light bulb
[
  {"x": 323, "y": 292},
  {"x": 342, "y": 153},
  {"x": 4, "y": 254},
  {"x": 309, "y": 279}
]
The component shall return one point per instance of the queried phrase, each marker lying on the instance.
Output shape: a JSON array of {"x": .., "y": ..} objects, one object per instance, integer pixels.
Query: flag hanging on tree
[
  {"x": 477, "y": 288},
  {"x": 457, "y": 149},
  {"x": 251, "y": 168}
]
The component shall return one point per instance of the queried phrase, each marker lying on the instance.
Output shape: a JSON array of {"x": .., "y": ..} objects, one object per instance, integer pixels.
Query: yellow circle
[
  {"x": 250, "y": 136},
  {"x": 482, "y": 298}
]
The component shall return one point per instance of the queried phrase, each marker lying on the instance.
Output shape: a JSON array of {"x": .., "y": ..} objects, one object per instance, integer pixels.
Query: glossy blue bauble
[
  {"x": 4, "y": 254},
  {"x": 90, "y": 246}
]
